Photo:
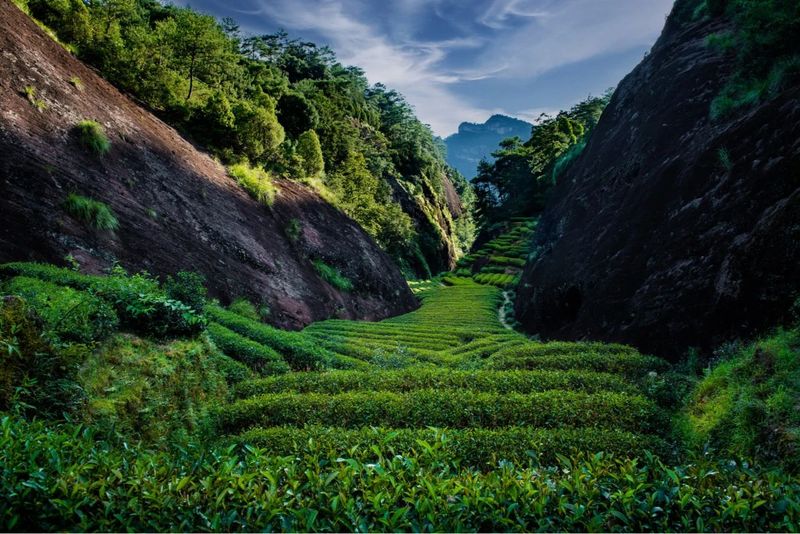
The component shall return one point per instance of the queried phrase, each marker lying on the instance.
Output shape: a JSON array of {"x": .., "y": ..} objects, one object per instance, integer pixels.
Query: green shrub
[
  {"x": 333, "y": 276},
  {"x": 766, "y": 47},
  {"x": 36, "y": 377},
  {"x": 747, "y": 404},
  {"x": 260, "y": 358},
  {"x": 725, "y": 158},
  {"x": 67, "y": 478},
  {"x": 256, "y": 181},
  {"x": 189, "y": 288},
  {"x": 245, "y": 308},
  {"x": 140, "y": 303},
  {"x": 93, "y": 212},
  {"x": 293, "y": 230},
  {"x": 93, "y": 138},
  {"x": 76, "y": 82},
  {"x": 144, "y": 307},
  {"x": 30, "y": 94},
  {"x": 449, "y": 408},
  {"x": 159, "y": 393},
  {"x": 68, "y": 314}
]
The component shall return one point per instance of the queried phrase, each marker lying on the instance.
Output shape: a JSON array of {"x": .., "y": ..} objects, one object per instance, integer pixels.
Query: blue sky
[{"x": 463, "y": 60}]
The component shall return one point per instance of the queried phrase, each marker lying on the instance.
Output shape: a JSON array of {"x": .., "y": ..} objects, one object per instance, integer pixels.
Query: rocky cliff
[
  {"x": 177, "y": 208},
  {"x": 672, "y": 229}
]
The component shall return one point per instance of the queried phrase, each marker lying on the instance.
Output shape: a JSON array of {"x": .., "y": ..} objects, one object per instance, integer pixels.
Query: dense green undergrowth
[
  {"x": 133, "y": 404},
  {"x": 64, "y": 477},
  {"x": 763, "y": 42}
]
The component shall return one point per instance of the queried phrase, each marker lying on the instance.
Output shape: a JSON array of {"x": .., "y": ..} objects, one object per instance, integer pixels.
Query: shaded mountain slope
[
  {"x": 474, "y": 142},
  {"x": 672, "y": 230},
  {"x": 177, "y": 208}
]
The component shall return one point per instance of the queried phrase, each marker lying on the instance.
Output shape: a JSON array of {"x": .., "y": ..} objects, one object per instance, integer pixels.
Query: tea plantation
[{"x": 127, "y": 408}]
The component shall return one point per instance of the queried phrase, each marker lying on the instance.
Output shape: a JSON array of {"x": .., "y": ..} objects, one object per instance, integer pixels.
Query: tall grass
[
  {"x": 256, "y": 181},
  {"x": 93, "y": 138},
  {"x": 333, "y": 276},
  {"x": 93, "y": 212}
]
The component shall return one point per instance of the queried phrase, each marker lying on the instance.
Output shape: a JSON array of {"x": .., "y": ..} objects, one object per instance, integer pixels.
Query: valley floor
[{"x": 441, "y": 419}]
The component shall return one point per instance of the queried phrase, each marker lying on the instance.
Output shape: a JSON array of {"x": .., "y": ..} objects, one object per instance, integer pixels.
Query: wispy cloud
[
  {"x": 412, "y": 67},
  {"x": 501, "y": 11}
]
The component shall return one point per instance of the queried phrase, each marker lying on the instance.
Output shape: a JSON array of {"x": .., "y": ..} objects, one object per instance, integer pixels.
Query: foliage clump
[
  {"x": 93, "y": 138},
  {"x": 256, "y": 181},
  {"x": 93, "y": 212},
  {"x": 36, "y": 374},
  {"x": 196, "y": 489},
  {"x": 747, "y": 404},
  {"x": 333, "y": 276},
  {"x": 765, "y": 46},
  {"x": 30, "y": 94}
]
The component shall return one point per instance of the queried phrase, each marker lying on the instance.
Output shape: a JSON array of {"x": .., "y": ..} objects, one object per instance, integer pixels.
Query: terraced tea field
[
  {"x": 450, "y": 364},
  {"x": 438, "y": 420},
  {"x": 500, "y": 261}
]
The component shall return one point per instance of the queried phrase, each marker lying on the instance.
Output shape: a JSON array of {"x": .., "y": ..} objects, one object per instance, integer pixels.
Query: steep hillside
[
  {"x": 176, "y": 207},
  {"x": 475, "y": 142},
  {"x": 284, "y": 105},
  {"x": 672, "y": 229}
]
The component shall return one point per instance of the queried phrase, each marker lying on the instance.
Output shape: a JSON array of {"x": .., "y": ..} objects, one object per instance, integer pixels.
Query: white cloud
[
  {"x": 500, "y": 11},
  {"x": 568, "y": 32},
  {"x": 516, "y": 40}
]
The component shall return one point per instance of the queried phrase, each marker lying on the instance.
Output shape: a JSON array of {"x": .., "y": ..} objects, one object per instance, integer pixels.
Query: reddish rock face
[
  {"x": 652, "y": 237},
  {"x": 177, "y": 208}
]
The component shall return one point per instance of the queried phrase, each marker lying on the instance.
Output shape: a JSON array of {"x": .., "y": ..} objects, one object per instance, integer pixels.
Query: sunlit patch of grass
[
  {"x": 256, "y": 181},
  {"x": 93, "y": 212},
  {"x": 93, "y": 138}
]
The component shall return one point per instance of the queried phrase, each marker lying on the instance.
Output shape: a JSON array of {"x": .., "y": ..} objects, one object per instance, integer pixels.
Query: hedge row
[
  {"x": 334, "y": 382},
  {"x": 450, "y": 408},
  {"x": 369, "y": 349},
  {"x": 629, "y": 366},
  {"x": 66, "y": 479},
  {"x": 300, "y": 352},
  {"x": 473, "y": 447},
  {"x": 259, "y": 358},
  {"x": 594, "y": 357}
]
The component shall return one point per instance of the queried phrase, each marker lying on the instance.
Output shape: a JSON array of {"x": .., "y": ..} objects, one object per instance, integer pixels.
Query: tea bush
[
  {"x": 449, "y": 408},
  {"x": 300, "y": 352},
  {"x": 68, "y": 314},
  {"x": 333, "y": 382},
  {"x": 472, "y": 447},
  {"x": 87, "y": 484},
  {"x": 138, "y": 299},
  {"x": 260, "y": 358}
]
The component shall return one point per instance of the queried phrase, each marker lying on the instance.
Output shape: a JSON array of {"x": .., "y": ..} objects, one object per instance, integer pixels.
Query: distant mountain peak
[{"x": 475, "y": 142}]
